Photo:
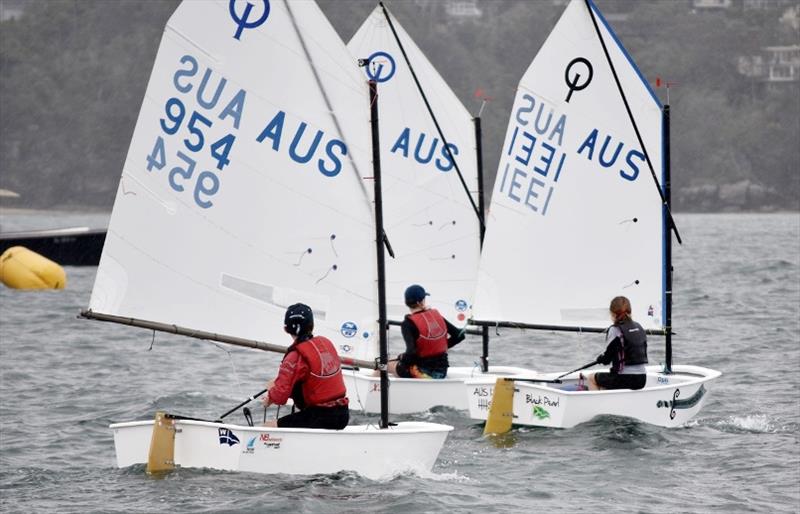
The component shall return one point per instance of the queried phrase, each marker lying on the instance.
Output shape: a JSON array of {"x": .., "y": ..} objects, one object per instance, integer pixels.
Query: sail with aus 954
[
  {"x": 243, "y": 189},
  {"x": 575, "y": 218}
]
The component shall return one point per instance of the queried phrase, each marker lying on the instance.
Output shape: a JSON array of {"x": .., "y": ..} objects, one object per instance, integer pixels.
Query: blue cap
[{"x": 415, "y": 294}]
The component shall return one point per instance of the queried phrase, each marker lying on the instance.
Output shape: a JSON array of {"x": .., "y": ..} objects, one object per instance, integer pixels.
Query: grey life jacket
[{"x": 634, "y": 342}]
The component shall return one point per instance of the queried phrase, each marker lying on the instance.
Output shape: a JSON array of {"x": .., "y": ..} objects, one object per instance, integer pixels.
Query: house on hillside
[
  {"x": 463, "y": 9},
  {"x": 711, "y": 5},
  {"x": 775, "y": 67},
  {"x": 11, "y": 9},
  {"x": 432, "y": 12},
  {"x": 744, "y": 5}
]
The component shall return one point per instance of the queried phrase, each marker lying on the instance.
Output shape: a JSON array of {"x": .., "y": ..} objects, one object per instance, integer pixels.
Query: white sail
[
  {"x": 243, "y": 191},
  {"x": 575, "y": 217},
  {"x": 428, "y": 218}
]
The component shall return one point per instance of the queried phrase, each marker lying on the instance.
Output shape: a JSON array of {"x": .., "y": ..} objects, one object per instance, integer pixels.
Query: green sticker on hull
[{"x": 540, "y": 412}]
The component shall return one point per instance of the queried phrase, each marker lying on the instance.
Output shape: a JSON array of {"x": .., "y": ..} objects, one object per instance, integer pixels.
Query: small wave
[
  {"x": 353, "y": 478},
  {"x": 780, "y": 264},
  {"x": 750, "y": 424},
  {"x": 449, "y": 476},
  {"x": 426, "y": 475}
]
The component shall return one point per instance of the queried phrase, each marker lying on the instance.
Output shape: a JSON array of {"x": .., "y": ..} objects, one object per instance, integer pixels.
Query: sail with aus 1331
[{"x": 575, "y": 218}]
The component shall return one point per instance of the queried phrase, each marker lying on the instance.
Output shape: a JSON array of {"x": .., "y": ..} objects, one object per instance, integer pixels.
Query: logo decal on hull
[
  {"x": 675, "y": 403},
  {"x": 249, "y": 449},
  {"x": 226, "y": 436},
  {"x": 271, "y": 442},
  {"x": 540, "y": 412}
]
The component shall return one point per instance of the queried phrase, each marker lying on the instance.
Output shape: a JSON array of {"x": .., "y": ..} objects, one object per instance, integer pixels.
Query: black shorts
[
  {"x": 333, "y": 418},
  {"x": 414, "y": 371},
  {"x": 616, "y": 381}
]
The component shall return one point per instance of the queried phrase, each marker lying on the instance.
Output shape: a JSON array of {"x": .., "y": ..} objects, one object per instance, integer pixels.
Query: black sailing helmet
[{"x": 299, "y": 320}]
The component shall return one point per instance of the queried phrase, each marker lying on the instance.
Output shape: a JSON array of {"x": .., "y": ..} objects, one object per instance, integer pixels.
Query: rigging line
[
  {"x": 433, "y": 117},
  {"x": 346, "y": 74},
  {"x": 475, "y": 365},
  {"x": 633, "y": 122},
  {"x": 363, "y": 404},
  {"x": 333, "y": 247},
  {"x": 325, "y": 97},
  {"x": 233, "y": 366}
]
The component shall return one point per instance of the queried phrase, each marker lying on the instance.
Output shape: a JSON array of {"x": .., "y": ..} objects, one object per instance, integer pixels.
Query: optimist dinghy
[
  {"x": 243, "y": 193},
  {"x": 577, "y": 219}
]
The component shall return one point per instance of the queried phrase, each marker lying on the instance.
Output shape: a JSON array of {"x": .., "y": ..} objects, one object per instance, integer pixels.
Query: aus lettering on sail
[
  {"x": 305, "y": 146},
  {"x": 424, "y": 149},
  {"x": 410, "y": 143}
]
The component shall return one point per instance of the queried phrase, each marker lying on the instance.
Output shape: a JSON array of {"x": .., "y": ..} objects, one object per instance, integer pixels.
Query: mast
[
  {"x": 379, "y": 242},
  {"x": 481, "y": 214},
  {"x": 667, "y": 247}
]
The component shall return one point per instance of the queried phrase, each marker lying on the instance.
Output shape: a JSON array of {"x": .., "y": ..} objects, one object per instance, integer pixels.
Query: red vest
[
  {"x": 432, "y": 340},
  {"x": 324, "y": 382}
]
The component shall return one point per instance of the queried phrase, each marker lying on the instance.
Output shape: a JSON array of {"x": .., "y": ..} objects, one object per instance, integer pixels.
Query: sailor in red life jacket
[
  {"x": 311, "y": 374},
  {"x": 428, "y": 336}
]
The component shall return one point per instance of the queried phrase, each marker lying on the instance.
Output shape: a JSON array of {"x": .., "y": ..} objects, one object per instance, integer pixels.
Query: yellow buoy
[{"x": 21, "y": 268}]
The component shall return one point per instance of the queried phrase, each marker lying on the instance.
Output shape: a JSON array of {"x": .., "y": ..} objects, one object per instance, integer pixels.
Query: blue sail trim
[
  {"x": 665, "y": 233},
  {"x": 625, "y": 53}
]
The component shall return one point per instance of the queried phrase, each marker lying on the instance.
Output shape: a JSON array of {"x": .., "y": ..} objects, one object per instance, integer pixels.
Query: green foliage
[{"x": 73, "y": 74}]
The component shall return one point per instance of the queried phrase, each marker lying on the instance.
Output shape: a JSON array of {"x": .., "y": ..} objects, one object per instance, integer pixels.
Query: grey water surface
[{"x": 737, "y": 303}]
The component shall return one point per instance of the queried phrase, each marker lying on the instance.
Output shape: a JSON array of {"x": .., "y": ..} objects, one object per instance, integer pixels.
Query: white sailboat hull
[
  {"x": 667, "y": 400},
  {"x": 365, "y": 449},
  {"x": 408, "y": 395}
]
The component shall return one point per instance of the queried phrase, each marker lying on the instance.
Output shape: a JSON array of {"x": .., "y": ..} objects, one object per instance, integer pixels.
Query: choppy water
[{"x": 737, "y": 293}]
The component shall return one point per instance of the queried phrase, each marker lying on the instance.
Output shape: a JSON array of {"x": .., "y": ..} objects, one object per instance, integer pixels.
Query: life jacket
[
  {"x": 634, "y": 341},
  {"x": 325, "y": 382},
  {"x": 432, "y": 340}
]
